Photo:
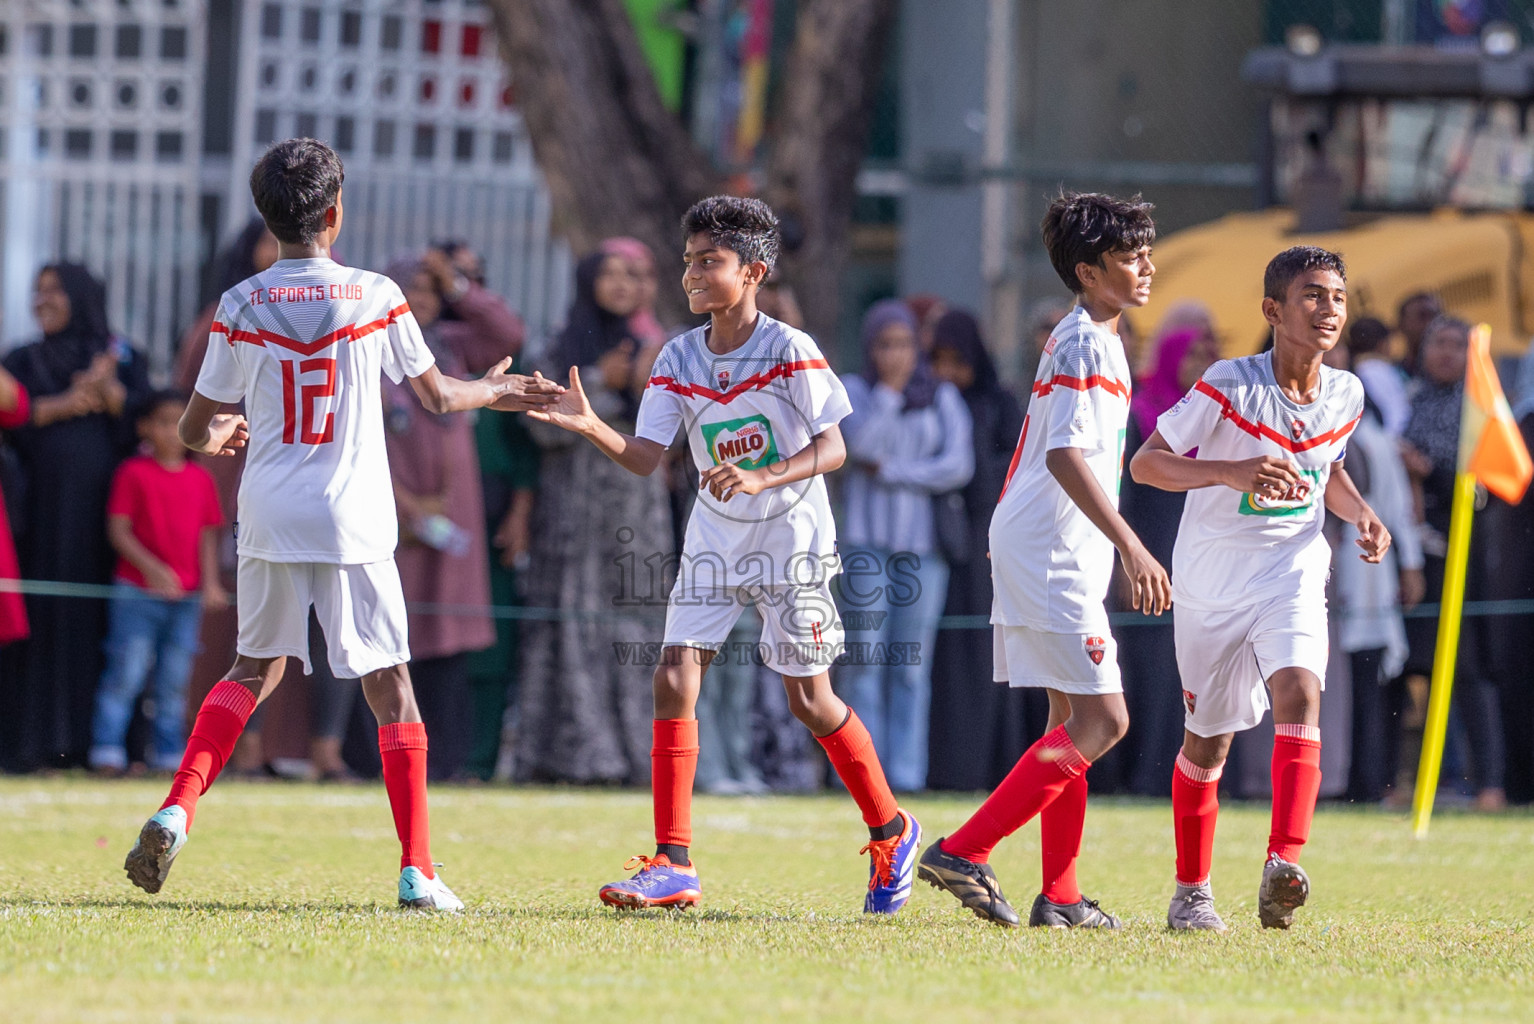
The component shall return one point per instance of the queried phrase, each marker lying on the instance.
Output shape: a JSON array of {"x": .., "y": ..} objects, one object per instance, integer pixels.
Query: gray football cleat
[
  {"x": 1284, "y": 889},
  {"x": 1192, "y": 910}
]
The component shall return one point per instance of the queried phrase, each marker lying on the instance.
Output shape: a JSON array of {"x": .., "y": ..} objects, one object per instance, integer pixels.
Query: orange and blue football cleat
[
  {"x": 658, "y": 883},
  {"x": 891, "y": 867}
]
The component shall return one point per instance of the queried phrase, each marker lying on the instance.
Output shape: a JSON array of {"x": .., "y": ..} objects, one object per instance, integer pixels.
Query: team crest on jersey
[
  {"x": 723, "y": 377},
  {"x": 1297, "y": 428},
  {"x": 1190, "y": 699},
  {"x": 1096, "y": 648}
]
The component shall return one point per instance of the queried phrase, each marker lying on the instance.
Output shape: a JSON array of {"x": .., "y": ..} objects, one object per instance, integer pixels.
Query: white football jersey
[
  {"x": 754, "y": 406},
  {"x": 1050, "y": 566},
  {"x": 303, "y": 344},
  {"x": 1235, "y": 548}
]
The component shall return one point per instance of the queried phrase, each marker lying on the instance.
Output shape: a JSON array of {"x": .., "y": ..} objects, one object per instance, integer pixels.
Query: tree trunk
[
  {"x": 822, "y": 130},
  {"x": 615, "y": 160}
]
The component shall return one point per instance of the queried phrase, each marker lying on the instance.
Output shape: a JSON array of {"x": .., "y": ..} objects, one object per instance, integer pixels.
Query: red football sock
[
  {"x": 1039, "y": 776},
  {"x": 851, "y": 752},
  {"x": 1296, "y": 784},
  {"x": 1060, "y": 825},
  {"x": 220, "y": 720},
  {"x": 1195, "y": 806},
  {"x": 673, "y": 765},
  {"x": 402, "y": 746}
]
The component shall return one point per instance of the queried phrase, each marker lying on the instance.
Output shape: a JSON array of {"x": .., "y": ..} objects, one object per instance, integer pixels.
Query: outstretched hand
[
  {"x": 518, "y": 392},
  {"x": 228, "y": 432},
  {"x": 570, "y": 409},
  {"x": 1372, "y": 537}
]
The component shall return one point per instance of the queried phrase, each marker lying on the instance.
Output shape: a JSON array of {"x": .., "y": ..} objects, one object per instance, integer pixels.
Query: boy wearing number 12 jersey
[
  {"x": 1250, "y": 569},
  {"x": 303, "y": 344}
]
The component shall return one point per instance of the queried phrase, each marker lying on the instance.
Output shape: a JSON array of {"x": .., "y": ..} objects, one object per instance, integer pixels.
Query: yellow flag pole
[{"x": 1447, "y": 652}]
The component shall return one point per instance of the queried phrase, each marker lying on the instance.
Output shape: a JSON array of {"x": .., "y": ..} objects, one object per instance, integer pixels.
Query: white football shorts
[
  {"x": 1083, "y": 663},
  {"x": 801, "y": 630},
  {"x": 361, "y": 608},
  {"x": 1226, "y": 656}
]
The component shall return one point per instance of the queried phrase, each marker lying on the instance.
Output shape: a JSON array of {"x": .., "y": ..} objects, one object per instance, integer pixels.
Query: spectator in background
[
  {"x": 1512, "y": 575},
  {"x": 86, "y": 386},
  {"x": 602, "y": 542},
  {"x": 978, "y": 728},
  {"x": 776, "y": 298},
  {"x": 1370, "y": 597},
  {"x": 1430, "y": 449},
  {"x": 15, "y": 410},
  {"x": 928, "y": 309},
  {"x": 1413, "y": 316},
  {"x": 508, "y": 474},
  {"x": 1147, "y": 652},
  {"x": 909, "y": 437},
  {"x": 442, "y": 557},
  {"x": 253, "y": 250},
  {"x": 161, "y": 519},
  {"x": 1043, "y": 315},
  {"x": 1368, "y": 348},
  {"x": 643, "y": 325},
  {"x": 1180, "y": 316}
]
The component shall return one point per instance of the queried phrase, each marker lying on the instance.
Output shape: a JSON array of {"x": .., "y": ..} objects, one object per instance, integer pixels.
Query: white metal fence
[{"x": 102, "y": 158}]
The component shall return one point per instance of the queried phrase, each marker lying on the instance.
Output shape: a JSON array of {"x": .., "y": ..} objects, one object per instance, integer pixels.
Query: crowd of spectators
[{"x": 537, "y": 570}]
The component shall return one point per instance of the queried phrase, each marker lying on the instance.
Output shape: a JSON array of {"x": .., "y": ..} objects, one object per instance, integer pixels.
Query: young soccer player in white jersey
[
  {"x": 760, "y": 408},
  {"x": 1053, "y": 537},
  {"x": 303, "y": 344},
  {"x": 1250, "y": 569}
]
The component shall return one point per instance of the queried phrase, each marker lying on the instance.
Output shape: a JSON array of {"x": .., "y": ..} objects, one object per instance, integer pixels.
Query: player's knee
[
  {"x": 1115, "y": 723},
  {"x": 675, "y": 687}
]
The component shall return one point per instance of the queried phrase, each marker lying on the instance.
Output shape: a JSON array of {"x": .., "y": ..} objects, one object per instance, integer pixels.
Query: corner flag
[{"x": 1491, "y": 450}]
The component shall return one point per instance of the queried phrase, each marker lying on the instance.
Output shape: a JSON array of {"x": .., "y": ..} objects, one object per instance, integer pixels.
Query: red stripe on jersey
[
  {"x": 1108, "y": 384},
  {"x": 1017, "y": 456},
  {"x": 235, "y": 334},
  {"x": 349, "y": 333},
  {"x": 755, "y": 382},
  {"x": 1262, "y": 430}
]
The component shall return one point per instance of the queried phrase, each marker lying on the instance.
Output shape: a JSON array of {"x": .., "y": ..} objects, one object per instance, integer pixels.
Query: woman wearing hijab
[
  {"x": 252, "y": 251},
  {"x": 908, "y": 439},
  {"x": 643, "y": 324},
  {"x": 1152, "y": 686},
  {"x": 435, "y": 467},
  {"x": 1430, "y": 449},
  {"x": 85, "y": 386},
  {"x": 979, "y": 728},
  {"x": 602, "y": 554}
]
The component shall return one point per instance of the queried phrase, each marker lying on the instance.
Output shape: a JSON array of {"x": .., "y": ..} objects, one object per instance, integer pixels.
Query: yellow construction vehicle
[{"x": 1417, "y": 164}]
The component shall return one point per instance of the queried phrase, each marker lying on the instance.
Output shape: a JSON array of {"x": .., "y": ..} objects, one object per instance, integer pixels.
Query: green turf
[{"x": 282, "y": 908}]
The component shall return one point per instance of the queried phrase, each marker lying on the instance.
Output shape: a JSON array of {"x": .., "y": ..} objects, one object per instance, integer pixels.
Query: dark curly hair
[
  {"x": 747, "y": 227},
  {"x": 1294, "y": 261},
  {"x": 1079, "y": 227},
  {"x": 293, "y": 184}
]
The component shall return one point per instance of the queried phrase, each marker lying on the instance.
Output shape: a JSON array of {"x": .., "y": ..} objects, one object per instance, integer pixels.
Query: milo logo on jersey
[
  {"x": 745, "y": 442},
  {"x": 1297, "y": 500}
]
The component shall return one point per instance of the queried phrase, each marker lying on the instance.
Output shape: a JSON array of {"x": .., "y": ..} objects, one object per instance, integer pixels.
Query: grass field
[{"x": 281, "y": 908}]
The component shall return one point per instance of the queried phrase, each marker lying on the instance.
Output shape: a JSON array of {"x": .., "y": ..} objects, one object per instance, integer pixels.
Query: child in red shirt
[{"x": 162, "y": 519}]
